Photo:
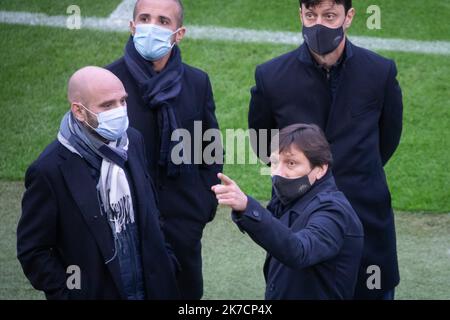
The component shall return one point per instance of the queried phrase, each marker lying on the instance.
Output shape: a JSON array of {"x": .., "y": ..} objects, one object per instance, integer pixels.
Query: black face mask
[
  {"x": 321, "y": 39},
  {"x": 288, "y": 190}
]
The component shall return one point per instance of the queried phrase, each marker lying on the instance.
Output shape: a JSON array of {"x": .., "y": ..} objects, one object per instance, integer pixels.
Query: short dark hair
[
  {"x": 180, "y": 14},
  {"x": 309, "y": 139},
  {"x": 312, "y": 3}
]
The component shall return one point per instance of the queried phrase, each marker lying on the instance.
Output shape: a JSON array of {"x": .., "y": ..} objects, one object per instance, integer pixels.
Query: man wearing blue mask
[
  {"x": 90, "y": 225},
  {"x": 165, "y": 95},
  {"x": 352, "y": 94}
]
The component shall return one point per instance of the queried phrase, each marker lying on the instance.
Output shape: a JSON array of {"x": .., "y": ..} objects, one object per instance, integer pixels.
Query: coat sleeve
[
  {"x": 36, "y": 237},
  {"x": 320, "y": 240},
  {"x": 391, "y": 117},
  {"x": 260, "y": 117}
]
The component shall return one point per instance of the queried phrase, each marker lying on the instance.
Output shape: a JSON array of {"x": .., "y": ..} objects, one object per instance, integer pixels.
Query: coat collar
[
  {"x": 326, "y": 184},
  {"x": 305, "y": 56}
]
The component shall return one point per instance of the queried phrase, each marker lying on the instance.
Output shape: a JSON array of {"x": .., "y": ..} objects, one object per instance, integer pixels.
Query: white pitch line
[
  {"x": 113, "y": 23},
  {"x": 294, "y": 38},
  {"x": 124, "y": 11}
]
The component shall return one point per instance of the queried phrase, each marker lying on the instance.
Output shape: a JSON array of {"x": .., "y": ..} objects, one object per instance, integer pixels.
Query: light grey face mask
[
  {"x": 112, "y": 124},
  {"x": 153, "y": 42}
]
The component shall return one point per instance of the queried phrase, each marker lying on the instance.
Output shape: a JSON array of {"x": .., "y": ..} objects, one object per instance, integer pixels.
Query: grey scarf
[{"x": 109, "y": 160}]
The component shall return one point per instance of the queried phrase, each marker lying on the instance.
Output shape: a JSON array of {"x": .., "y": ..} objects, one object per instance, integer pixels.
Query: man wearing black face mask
[
  {"x": 352, "y": 94},
  {"x": 312, "y": 236}
]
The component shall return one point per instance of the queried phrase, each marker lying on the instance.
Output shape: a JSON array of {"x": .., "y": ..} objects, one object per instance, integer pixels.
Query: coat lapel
[
  {"x": 340, "y": 114},
  {"x": 138, "y": 177},
  {"x": 84, "y": 192}
]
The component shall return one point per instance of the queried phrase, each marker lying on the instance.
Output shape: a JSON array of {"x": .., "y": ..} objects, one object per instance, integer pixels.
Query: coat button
[{"x": 255, "y": 213}]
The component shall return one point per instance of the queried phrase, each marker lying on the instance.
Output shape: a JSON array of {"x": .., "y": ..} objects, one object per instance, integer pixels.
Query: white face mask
[
  {"x": 112, "y": 124},
  {"x": 153, "y": 42}
]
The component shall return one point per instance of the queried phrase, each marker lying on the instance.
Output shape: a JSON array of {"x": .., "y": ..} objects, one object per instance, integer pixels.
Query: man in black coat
[
  {"x": 353, "y": 95},
  {"x": 90, "y": 225},
  {"x": 165, "y": 95},
  {"x": 311, "y": 233}
]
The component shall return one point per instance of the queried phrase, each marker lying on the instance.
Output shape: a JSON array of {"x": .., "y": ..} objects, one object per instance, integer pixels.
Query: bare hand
[{"x": 229, "y": 194}]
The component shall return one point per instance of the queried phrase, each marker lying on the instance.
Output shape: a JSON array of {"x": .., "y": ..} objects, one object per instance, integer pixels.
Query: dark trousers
[{"x": 186, "y": 244}]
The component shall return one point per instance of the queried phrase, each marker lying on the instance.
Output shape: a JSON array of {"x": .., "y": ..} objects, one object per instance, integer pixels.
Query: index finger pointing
[{"x": 225, "y": 180}]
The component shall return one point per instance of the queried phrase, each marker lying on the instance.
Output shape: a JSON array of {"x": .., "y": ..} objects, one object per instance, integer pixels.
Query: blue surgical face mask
[
  {"x": 112, "y": 124},
  {"x": 153, "y": 42}
]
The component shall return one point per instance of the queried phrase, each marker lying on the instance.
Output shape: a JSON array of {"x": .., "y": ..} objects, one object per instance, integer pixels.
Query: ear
[
  {"x": 132, "y": 28},
  {"x": 349, "y": 18},
  {"x": 180, "y": 34},
  {"x": 77, "y": 112},
  {"x": 322, "y": 171},
  {"x": 300, "y": 15}
]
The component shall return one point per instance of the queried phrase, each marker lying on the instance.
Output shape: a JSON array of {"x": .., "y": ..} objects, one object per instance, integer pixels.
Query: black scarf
[{"x": 159, "y": 91}]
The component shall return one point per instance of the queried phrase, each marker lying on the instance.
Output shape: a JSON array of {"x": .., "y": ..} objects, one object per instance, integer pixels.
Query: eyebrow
[
  {"x": 330, "y": 10},
  {"x": 103, "y": 104},
  {"x": 148, "y": 15},
  {"x": 333, "y": 8},
  {"x": 166, "y": 18},
  {"x": 288, "y": 155}
]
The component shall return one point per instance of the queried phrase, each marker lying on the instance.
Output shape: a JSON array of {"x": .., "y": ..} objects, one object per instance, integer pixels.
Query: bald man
[
  {"x": 166, "y": 94},
  {"x": 90, "y": 226}
]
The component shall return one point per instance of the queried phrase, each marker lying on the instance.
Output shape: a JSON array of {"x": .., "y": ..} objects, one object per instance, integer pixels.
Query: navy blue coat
[
  {"x": 313, "y": 250},
  {"x": 363, "y": 126},
  {"x": 61, "y": 225},
  {"x": 186, "y": 203}
]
